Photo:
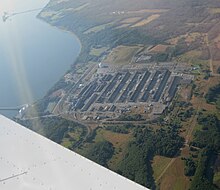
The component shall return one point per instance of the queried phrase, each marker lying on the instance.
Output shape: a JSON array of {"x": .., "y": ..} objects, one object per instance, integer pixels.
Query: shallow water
[{"x": 33, "y": 54}]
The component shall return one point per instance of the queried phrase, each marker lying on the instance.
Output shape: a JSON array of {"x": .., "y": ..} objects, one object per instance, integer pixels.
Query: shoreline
[
  {"x": 64, "y": 30},
  {"x": 41, "y": 19}
]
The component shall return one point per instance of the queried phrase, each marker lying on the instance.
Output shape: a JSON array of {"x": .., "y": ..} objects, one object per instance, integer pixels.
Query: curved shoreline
[
  {"x": 66, "y": 31},
  {"x": 62, "y": 29}
]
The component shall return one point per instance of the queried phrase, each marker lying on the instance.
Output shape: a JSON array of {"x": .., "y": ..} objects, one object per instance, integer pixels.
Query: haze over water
[{"x": 33, "y": 55}]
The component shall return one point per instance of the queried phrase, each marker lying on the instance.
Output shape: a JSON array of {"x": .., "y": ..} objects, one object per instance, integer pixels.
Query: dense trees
[
  {"x": 201, "y": 180},
  {"x": 124, "y": 129},
  {"x": 136, "y": 165},
  {"x": 54, "y": 128},
  {"x": 92, "y": 135},
  {"x": 101, "y": 152},
  {"x": 190, "y": 167},
  {"x": 209, "y": 136},
  {"x": 167, "y": 142},
  {"x": 218, "y": 70},
  {"x": 184, "y": 115},
  {"x": 147, "y": 143},
  {"x": 213, "y": 94},
  {"x": 129, "y": 117},
  {"x": 208, "y": 140}
]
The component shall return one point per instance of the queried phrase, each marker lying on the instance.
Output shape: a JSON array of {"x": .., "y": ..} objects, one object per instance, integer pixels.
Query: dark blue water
[{"x": 33, "y": 55}]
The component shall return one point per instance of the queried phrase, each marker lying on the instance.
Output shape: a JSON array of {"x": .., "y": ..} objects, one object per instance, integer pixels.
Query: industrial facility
[{"x": 117, "y": 91}]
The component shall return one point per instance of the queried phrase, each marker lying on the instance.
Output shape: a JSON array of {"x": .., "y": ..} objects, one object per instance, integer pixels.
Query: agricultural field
[
  {"x": 146, "y": 21},
  {"x": 214, "y": 10},
  {"x": 130, "y": 20},
  {"x": 122, "y": 55},
  {"x": 97, "y": 28},
  {"x": 98, "y": 51},
  {"x": 159, "y": 49}
]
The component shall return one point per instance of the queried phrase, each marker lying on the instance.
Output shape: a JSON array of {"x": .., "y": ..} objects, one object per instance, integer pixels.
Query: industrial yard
[{"x": 110, "y": 91}]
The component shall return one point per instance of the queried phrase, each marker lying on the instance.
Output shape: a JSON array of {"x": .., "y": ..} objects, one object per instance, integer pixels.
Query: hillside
[
  {"x": 179, "y": 149},
  {"x": 112, "y": 23}
]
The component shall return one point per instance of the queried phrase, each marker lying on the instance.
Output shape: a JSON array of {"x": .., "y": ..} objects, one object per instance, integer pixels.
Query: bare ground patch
[{"x": 159, "y": 48}]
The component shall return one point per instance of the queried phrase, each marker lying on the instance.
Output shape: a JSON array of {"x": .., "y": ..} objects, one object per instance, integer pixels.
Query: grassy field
[
  {"x": 192, "y": 58},
  {"x": 186, "y": 93},
  {"x": 122, "y": 26},
  {"x": 72, "y": 137},
  {"x": 159, "y": 48},
  {"x": 159, "y": 164},
  {"x": 188, "y": 38},
  {"x": 122, "y": 55},
  {"x": 146, "y": 21},
  {"x": 142, "y": 11},
  {"x": 174, "y": 178},
  {"x": 214, "y": 10},
  {"x": 98, "y": 28},
  {"x": 53, "y": 15},
  {"x": 191, "y": 37},
  {"x": 120, "y": 143},
  {"x": 98, "y": 51},
  {"x": 216, "y": 179},
  {"x": 130, "y": 20}
]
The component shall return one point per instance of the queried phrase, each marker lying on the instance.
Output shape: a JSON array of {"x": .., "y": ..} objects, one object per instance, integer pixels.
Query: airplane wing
[{"x": 29, "y": 161}]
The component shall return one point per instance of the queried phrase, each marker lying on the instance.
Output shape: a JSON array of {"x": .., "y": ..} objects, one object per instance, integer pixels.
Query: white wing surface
[{"x": 29, "y": 161}]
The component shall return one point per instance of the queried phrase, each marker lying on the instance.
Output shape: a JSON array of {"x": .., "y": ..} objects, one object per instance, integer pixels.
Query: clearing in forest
[
  {"x": 147, "y": 20},
  {"x": 130, "y": 20},
  {"x": 159, "y": 48}
]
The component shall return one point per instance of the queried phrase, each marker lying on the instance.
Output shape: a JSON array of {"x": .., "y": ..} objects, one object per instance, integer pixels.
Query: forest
[
  {"x": 56, "y": 129},
  {"x": 136, "y": 164},
  {"x": 208, "y": 140},
  {"x": 213, "y": 95}
]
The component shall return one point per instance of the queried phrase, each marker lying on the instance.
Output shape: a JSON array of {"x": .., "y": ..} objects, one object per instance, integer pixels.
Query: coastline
[
  {"x": 66, "y": 31},
  {"x": 72, "y": 64}
]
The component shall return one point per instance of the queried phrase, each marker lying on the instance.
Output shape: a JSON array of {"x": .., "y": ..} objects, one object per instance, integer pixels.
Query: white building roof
[{"x": 29, "y": 161}]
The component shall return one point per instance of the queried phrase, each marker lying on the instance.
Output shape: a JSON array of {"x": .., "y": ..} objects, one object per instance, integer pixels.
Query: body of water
[{"x": 33, "y": 54}]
